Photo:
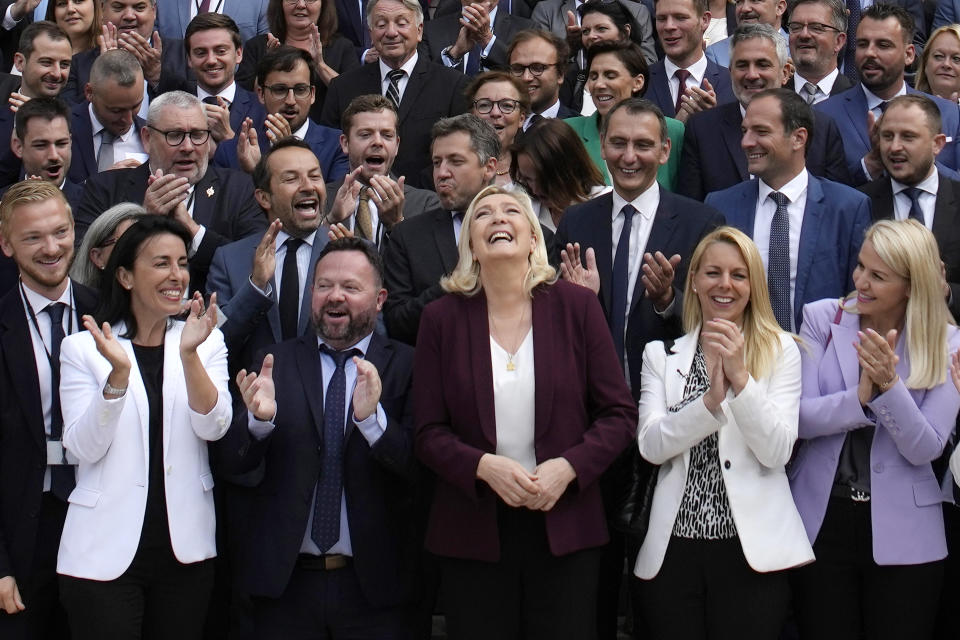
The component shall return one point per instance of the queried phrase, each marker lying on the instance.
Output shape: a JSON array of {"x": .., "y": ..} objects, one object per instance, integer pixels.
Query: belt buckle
[
  {"x": 334, "y": 561},
  {"x": 859, "y": 496}
]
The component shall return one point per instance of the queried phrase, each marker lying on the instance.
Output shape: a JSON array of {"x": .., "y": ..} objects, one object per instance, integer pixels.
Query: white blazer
[
  {"x": 110, "y": 438},
  {"x": 757, "y": 430}
]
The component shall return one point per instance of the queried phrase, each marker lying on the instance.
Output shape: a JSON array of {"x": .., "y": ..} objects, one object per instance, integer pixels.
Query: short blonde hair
[
  {"x": 923, "y": 84},
  {"x": 27, "y": 192},
  {"x": 909, "y": 249},
  {"x": 465, "y": 278},
  {"x": 761, "y": 331}
]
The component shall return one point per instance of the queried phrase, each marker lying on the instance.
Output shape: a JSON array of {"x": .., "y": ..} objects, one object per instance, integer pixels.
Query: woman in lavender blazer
[{"x": 876, "y": 409}]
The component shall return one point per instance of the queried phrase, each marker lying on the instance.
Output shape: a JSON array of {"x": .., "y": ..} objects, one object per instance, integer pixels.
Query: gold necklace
[
  {"x": 511, "y": 366},
  {"x": 504, "y": 172}
]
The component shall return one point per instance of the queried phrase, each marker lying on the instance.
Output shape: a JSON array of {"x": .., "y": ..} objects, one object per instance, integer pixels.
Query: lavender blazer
[
  {"x": 913, "y": 425},
  {"x": 583, "y": 412}
]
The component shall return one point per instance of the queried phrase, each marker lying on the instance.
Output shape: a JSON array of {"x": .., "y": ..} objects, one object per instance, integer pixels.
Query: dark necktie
[
  {"x": 681, "y": 75},
  {"x": 62, "y": 479},
  {"x": 393, "y": 90},
  {"x": 290, "y": 290},
  {"x": 204, "y": 7},
  {"x": 473, "y": 62},
  {"x": 326, "y": 507},
  {"x": 849, "y": 55},
  {"x": 915, "y": 211},
  {"x": 621, "y": 282},
  {"x": 534, "y": 119},
  {"x": 778, "y": 262}
]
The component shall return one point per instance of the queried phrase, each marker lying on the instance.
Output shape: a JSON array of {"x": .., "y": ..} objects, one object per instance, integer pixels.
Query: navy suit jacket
[
  {"x": 223, "y": 203},
  {"x": 433, "y": 92},
  {"x": 713, "y": 160},
  {"x": 324, "y": 141},
  {"x": 173, "y": 16},
  {"x": 659, "y": 91},
  {"x": 678, "y": 226},
  {"x": 253, "y": 320},
  {"x": 280, "y": 472},
  {"x": 173, "y": 63},
  {"x": 834, "y": 220},
  {"x": 849, "y": 110},
  {"x": 83, "y": 162},
  {"x": 442, "y": 31}
]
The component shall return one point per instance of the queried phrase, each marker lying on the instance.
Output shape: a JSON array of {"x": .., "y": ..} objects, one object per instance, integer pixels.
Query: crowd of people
[{"x": 556, "y": 319}]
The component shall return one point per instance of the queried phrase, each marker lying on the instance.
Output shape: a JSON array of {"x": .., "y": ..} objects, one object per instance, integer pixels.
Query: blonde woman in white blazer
[
  {"x": 718, "y": 412},
  {"x": 141, "y": 395}
]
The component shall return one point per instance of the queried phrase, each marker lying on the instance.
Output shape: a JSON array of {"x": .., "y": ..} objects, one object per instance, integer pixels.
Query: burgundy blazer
[{"x": 584, "y": 413}]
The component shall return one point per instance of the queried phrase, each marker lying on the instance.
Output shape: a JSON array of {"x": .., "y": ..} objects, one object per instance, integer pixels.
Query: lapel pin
[{"x": 210, "y": 192}]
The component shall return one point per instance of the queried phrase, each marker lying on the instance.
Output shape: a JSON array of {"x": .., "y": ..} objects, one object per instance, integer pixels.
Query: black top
[
  {"x": 853, "y": 469},
  {"x": 156, "y": 527}
]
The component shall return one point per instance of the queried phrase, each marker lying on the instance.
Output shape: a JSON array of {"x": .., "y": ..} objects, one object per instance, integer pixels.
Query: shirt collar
[
  {"x": 873, "y": 101},
  {"x": 930, "y": 184},
  {"x": 363, "y": 345},
  {"x": 697, "y": 69},
  {"x": 301, "y": 133},
  {"x": 406, "y": 66},
  {"x": 793, "y": 189},
  {"x": 825, "y": 85},
  {"x": 39, "y": 302},
  {"x": 229, "y": 93},
  {"x": 646, "y": 203},
  {"x": 552, "y": 111},
  {"x": 282, "y": 237}
]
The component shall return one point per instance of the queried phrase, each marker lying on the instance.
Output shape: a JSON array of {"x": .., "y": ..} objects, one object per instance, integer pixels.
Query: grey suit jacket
[
  {"x": 173, "y": 16},
  {"x": 552, "y": 16}
]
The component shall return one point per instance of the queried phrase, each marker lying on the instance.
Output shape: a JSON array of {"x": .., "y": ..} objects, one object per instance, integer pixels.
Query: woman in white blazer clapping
[
  {"x": 142, "y": 394},
  {"x": 718, "y": 412}
]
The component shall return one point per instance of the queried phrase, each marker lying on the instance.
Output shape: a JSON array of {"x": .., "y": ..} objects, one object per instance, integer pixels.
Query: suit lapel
[
  {"x": 83, "y": 139},
  {"x": 882, "y": 202},
  {"x": 311, "y": 375},
  {"x": 21, "y": 365},
  {"x": 479, "y": 338},
  {"x": 444, "y": 239},
  {"x": 601, "y": 224},
  {"x": 809, "y": 241},
  {"x": 732, "y": 136},
  {"x": 946, "y": 212},
  {"x": 664, "y": 225},
  {"x": 205, "y": 195},
  {"x": 855, "y": 106},
  {"x": 543, "y": 357},
  {"x": 415, "y": 84},
  {"x": 661, "y": 89},
  {"x": 678, "y": 364},
  {"x": 319, "y": 242},
  {"x": 183, "y": 9},
  {"x": 843, "y": 337}
]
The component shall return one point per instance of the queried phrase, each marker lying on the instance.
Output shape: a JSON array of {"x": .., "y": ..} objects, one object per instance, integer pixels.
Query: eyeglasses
[
  {"x": 816, "y": 28},
  {"x": 506, "y": 106},
  {"x": 293, "y": 3},
  {"x": 536, "y": 69},
  {"x": 176, "y": 137},
  {"x": 280, "y": 91}
]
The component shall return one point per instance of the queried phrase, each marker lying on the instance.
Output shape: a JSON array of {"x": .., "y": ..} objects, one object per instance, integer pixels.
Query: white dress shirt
[
  {"x": 928, "y": 198},
  {"x": 550, "y": 112},
  {"x": 125, "y": 146},
  {"x": 697, "y": 70},
  {"x": 824, "y": 87},
  {"x": 513, "y": 402},
  {"x": 402, "y": 82},
  {"x": 304, "y": 251},
  {"x": 228, "y": 93},
  {"x": 796, "y": 192},
  {"x": 646, "y": 205}
]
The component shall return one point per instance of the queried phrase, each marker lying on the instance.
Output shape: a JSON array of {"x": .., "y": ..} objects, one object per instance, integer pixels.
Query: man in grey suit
[
  {"x": 560, "y": 15},
  {"x": 263, "y": 284},
  {"x": 173, "y": 16},
  {"x": 369, "y": 200}
]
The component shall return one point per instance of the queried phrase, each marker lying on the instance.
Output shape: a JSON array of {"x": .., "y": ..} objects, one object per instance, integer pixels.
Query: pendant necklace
[{"x": 511, "y": 366}]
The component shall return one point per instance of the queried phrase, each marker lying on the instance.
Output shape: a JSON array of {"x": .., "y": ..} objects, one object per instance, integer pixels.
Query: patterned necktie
[
  {"x": 204, "y": 7},
  {"x": 290, "y": 290},
  {"x": 681, "y": 75},
  {"x": 778, "y": 263},
  {"x": 809, "y": 92},
  {"x": 621, "y": 282},
  {"x": 849, "y": 55},
  {"x": 105, "y": 155},
  {"x": 364, "y": 225},
  {"x": 326, "y": 507},
  {"x": 393, "y": 90},
  {"x": 915, "y": 211},
  {"x": 62, "y": 478}
]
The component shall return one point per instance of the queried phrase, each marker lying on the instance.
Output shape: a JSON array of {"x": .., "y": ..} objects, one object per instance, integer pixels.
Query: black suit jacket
[
  {"x": 946, "y": 225},
  {"x": 522, "y": 8},
  {"x": 271, "y": 511},
  {"x": 678, "y": 226},
  {"x": 442, "y": 31},
  {"x": 173, "y": 64},
  {"x": 712, "y": 159},
  {"x": 433, "y": 92},
  {"x": 23, "y": 448},
  {"x": 223, "y": 203}
]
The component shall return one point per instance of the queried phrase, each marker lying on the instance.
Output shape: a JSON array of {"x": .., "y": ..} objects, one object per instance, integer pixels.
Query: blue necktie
[
  {"x": 621, "y": 282},
  {"x": 62, "y": 478},
  {"x": 473, "y": 62},
  {"x": 778, "y": 263},
  {"x": 326, "y": 506},
  {"x": 915, "y": 211}
]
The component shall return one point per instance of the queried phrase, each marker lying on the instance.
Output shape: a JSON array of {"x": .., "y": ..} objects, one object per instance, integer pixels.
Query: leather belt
[{"x": 328, "y": 562}]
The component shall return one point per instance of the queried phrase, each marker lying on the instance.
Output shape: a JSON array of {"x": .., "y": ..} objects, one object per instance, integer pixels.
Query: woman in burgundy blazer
[{"x": 517, "y": 537}]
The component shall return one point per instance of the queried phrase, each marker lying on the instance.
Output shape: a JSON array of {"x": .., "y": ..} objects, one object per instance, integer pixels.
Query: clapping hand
[
  {"x": 218, "y": 120},
  {"x": 658, "y": 274},
  {"x": 724, "y": 338},
  {"x": 574, "y": 270},
  {"x": 696, "y": 99},
  {"x": 387, "y": 194},
  {"x": 338, "y": 230},
  {"x": 258, "y": 392},
  {"x": 200, "y": 323},
  {"x": 149, "y": 55},
  {"x": 877, "y": 358},
  {"x": 277, "y": 127},
  {"x": 110, "y": 349},
  {"x": 165, "y": 192},
  {"x": 248, "y": 149},
  {"x": 265, "y": 256},
  {"x": 366, "y": 394},
  {"x": 108, "y": 38},
  {"x": 345, "y": 200}
]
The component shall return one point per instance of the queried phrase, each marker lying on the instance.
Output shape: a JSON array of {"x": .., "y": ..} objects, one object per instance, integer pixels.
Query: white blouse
[{"x": 513, "y": 401}]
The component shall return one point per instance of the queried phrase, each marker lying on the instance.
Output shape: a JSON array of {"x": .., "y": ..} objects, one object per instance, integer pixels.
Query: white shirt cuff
[
  {"x": 266, "y": 293},
  {"x": 486, "y": 49},
  {"x": 8, "y": 22},
  {"x": 373, "y": 426},
  {"x": 259, "y": 429},
  {"x": 197, "y": 239}
]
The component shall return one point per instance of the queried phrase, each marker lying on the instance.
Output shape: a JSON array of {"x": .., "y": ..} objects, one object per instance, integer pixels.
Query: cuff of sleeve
[
  {"x": 266, "y": 293},
  {"x": 8, "y": 22},
  {"x": 373, "y": 426},
  {"x": 197, "y": 239},
  {"x": 668, "y": 312},
  {"x": 487, "y": 49},
  {"x": 259, "y": 429},
  {"x": 449, "y": 61}
]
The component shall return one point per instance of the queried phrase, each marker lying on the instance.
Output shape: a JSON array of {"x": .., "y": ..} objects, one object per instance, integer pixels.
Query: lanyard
[{"x": 36, "y": 325}]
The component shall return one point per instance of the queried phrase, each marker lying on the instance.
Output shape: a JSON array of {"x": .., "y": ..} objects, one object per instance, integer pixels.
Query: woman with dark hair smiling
[{"x": 142, "y": 394}]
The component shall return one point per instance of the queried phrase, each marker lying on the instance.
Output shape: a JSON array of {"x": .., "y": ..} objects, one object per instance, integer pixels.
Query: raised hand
[
  {"x": 248, "y": 149},
  {"x": 574, "y": 32},
  {"x": 107, "y": 345},
  {"x": 339, "y": 230},
  {"x": 165, "y": 192},
  {"x": 872, "y": 160},
  {"x": 573, "y": 269},
  {"x": 16, "y": 100},
  {"x": 697, "y": 99},
  {"x": 387, "y": 194},
  {"x": 258, "y": 392},
  {"x": 726, "y": 340},
  {"x": 717, "y": 392},
  {"x": 276, "y": 127},
  {"x": 149, "y": 55},
  {"x": 658, "y": 274},
  {"x": 553, "y": 478},
  {"x": 877, "y": 357},
  {"x": 218, "y": 120},
  {"x": 515, "y": 485},
  {"x": 107, "y": 40},
  {"x": 272, "y": 42},
  {"x": 345, "y": 201},
  {"x": 265, "y": 257},
  {"x": 200, "y": 323},
  {"x": 366, "y": 394}
]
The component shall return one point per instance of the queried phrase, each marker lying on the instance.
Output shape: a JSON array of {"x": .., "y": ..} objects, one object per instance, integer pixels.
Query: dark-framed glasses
[
  {"x": 506, "y": 105},
  {"x": 816, "y": 28},
  {"x": 280, "y": 91},
  {"x": 536, "y": 68},
  {"x": 176, "y": 137}
]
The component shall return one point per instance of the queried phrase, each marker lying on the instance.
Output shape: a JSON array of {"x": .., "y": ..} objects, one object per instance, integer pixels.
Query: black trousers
[
  {"x": 845, "y": 594},
  {"x": 706, "y": 589},
  {"x": 530, "y": 594},
  {"x": 156, "y": 598},
  {"x": 43, "y": 618}
]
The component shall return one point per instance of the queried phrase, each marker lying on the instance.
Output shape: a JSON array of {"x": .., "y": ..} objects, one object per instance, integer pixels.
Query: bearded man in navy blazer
[
  {"x": 327, "y": 546},
  {"x": 808, "y": 229}
]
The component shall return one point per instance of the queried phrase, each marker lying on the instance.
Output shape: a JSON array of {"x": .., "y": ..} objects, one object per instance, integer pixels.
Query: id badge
[{"x": 57, "y": 454}]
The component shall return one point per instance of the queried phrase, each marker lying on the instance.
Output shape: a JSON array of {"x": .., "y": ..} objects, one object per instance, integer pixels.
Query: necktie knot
[
  {"x": 340, "y": 357},
  {"x": 365, "y": 194},
  {"x": 292, "y": 244},
  {"x": 810, "y": 91},
  {"x": 55, "y": 310},
  {"x": 106, "y": 137},
  {"x": 396, "y": 75},
  {"x": 681, "y": 75},
  {"x": 628, "y": 211},
  {"x": 883, "y": 106},
  {"x": 780, "y": 199},
  {"x": 211, "y": 100},
  {"x": 916, "y": 212}
]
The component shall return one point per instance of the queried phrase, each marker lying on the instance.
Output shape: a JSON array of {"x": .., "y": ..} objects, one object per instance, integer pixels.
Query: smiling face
[
  {"x": 75, "y": 17},
  {"x": 506, "y": 125},
  {"x": 754, "y": 66},
  {"x": 500, "y": 230},
  {"x": 458, "y": 174},
  {"x": 815, "y": 54},
  {"x": 297, "y": 192},
  {"x": 45, "y": 149},
  {"x": 544, "y": 89},
  {"x": 942, "y": 70},
  {"x": 722, "y": 283},
  {"x": 372, "y": 143},
  {"x": 213, "y": 58},
  {"x": 293, "y": 109},
  {"x": 39, "y": 238},
  {"x": 908, "y": 148},
  {"x": 187, "y": 160},
  {"x": 634, "y": 151},
  {"x": 599, "y": 27},
  {"x": 609, "y": 82},
  {"x": 158, "y": 280},
  {"x": 881, "y": 293},
  {"x": 681, "y": 30},
  {"x": 882, "y": 54},
  {"x": 131, "y": 15},
  {"x": 760, "y": 11},
  {"x": 302, "y": 15},
  {"x": 347, "y": 297},
  {"x": 772, "y": 154},
  {"x": 45, "y": 73},
  {"x": 395, "y": 32}
]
